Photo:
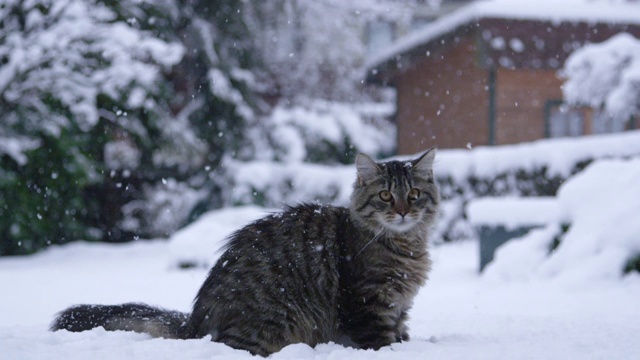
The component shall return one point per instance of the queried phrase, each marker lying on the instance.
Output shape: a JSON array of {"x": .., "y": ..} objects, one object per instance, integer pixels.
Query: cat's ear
[
  {"x": 424, "y": 164},
  {"x": 366, "y": 167}
]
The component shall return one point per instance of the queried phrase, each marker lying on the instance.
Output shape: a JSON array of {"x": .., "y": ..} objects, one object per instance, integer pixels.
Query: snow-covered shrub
[
  {"x": 71, "y": 72},
  {"x": 273, "y": 184},
  {"x": 201, "y": 244},
  {"x": 121, "y": 155},
  {"x": 163, "y": 209},
  {"x": 529, "y": 169},
  {"x": 602, "y": 241},
  {"x": 606, "y": 76},
  {"x": 301, "y": 152},
  {"x": 59, "y": 56},
  {"x": 327, "y": 132}
]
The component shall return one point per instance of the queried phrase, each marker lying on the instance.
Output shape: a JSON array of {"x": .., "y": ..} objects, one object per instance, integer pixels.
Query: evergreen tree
[{"x": 72, "y": 74}]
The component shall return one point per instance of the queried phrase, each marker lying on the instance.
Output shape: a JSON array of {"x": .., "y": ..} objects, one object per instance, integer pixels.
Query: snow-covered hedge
[
  {"x": 513, "y": 212},
  {"x": 301, "y": 152},
  {"x": 320, "y": 131},
  {"x": 530, "y": 169},
  {"x": 598, "y": 203}
]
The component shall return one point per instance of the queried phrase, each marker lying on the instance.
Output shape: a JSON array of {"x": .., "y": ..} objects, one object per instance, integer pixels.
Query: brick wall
[
  {"x": 443, "y": 100},
  {"x": 521, "y": 96}
]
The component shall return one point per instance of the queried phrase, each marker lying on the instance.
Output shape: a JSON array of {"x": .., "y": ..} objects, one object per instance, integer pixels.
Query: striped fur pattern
[{"x": 310, "y": 274}]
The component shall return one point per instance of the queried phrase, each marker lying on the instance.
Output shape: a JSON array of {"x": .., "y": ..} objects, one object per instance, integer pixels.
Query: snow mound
[
  {"x": 601, "y": 205},
  {"x": 273, "y": 183},
  {"x": 513, "y": 212},
  {"x": 200, "y": 243},
  {"x": 559, "y": 156},
  {"x": 605, "y": 75}
]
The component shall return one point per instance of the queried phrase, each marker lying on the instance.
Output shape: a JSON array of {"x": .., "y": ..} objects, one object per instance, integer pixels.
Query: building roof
[{"x": 554, "y": 11}]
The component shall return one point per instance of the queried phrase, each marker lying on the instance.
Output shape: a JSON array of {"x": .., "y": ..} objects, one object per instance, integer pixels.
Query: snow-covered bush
[
  {"x": 59, "y": 56},
  {"x": 463, "y": 176},
  {"x": 70, "y": 72},
  {"x": 606, "y": 76},
  {"x": 319, "y": 131},
  {"x": 301, "y": 152},
  {"x": 603, "y": 238},
  {"x": 164, "y": 208},
  {"x": 538, "y": 168},
  {"x": 529, "y": 169},
  {"x": 101, "y": 100}
]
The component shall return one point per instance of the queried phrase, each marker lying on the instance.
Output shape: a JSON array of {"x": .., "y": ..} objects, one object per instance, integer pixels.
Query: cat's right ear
[{"x": 366, "y": 167}]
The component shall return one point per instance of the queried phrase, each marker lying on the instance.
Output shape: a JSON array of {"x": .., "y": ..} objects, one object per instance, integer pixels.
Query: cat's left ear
[
  {"x": 424, "y": 164},
  {"x": 366, "y": 167}
]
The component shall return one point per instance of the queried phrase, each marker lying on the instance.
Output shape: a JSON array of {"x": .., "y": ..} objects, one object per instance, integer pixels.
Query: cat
[{"x": 309, "y": 274}]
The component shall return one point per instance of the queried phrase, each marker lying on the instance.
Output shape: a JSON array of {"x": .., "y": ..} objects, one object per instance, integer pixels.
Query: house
[{"x": 488, "y": 73}]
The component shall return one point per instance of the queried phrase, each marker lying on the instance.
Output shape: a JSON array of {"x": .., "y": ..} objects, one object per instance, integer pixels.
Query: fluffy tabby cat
[{"x": 311, "y": 274}]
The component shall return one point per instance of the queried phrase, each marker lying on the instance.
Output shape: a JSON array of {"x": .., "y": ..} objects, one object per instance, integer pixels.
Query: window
[
  {"x": 604, "y": 123},
  {"x": 380, "y": 34},
  {"x": 563, "y": 120}
]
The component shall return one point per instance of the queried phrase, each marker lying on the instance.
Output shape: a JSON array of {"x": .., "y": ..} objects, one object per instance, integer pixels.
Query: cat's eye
[
  {"x": 385, "y": 195},
  {"x": 414, "y": 194}
]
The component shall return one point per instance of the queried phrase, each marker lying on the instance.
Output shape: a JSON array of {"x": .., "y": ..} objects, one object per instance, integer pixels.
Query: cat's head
[{"x": 396, "y": 196}]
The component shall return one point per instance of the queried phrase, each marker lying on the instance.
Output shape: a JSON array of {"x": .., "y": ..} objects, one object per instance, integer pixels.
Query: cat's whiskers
[{"x": 375, "y": 237}]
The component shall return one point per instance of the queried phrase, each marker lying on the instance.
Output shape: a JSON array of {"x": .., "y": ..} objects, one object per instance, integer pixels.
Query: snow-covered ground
[
  {"x": 532, "y": 302},
  {"x": 459, "y": 314}
]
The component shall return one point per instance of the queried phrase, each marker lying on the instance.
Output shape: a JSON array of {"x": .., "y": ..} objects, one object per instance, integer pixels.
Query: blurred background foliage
[{"x": 117, "y": 117}]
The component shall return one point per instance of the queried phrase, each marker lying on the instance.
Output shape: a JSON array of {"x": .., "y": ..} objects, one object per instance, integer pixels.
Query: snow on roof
[{"x": 592, "y": 11}]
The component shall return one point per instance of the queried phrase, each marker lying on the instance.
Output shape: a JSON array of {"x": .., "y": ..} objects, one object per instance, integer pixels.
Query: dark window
[
  {"x": 380, "y": 34},
  {"x": 604, "y": 123},
  {"x": 563, "y": 120}
]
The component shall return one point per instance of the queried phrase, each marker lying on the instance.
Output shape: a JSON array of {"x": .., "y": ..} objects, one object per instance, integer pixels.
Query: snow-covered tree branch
[
  {"x": 60, "y": 56},
  {"x": 606, "y": 76}
]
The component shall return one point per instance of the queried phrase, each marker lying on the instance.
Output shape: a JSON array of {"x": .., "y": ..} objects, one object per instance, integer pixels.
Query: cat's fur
[{"x": 311, "y": 274}]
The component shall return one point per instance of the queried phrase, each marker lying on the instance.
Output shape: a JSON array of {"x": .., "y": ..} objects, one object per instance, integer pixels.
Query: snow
[
  {"x": 513, "y": 212},
  {"x": 558, "y": 155},
  {"x": 457, "y": 315},
  {"x": 294, "y": 130},
  {"x": 605, "y": 75},
  {"x": 16, "y": 146},
  {"x": 529, "y": 303},
  {"x": 602, "y": 209},
  {"x": 546, "y": 10},
  {"x": 200, "y": 244},
  {"x": 285, "y": 182},
  {"x": 121, "y": 154}
]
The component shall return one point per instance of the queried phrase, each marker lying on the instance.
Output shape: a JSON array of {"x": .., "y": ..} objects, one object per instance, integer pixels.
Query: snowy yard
[
  {"x": 121, "y": 120},
  {"x": 459, "y": 314},
  {"x": 531, "y": 302}
]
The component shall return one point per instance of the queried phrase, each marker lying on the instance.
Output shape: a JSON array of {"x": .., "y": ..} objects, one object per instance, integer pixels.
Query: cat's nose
[{"x": 402, "y": 212}]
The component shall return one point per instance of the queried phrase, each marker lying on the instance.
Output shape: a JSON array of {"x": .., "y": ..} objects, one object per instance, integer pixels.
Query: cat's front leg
[
  {"x": 372, "y": 327},
  {"x": 402, "y": 330}
]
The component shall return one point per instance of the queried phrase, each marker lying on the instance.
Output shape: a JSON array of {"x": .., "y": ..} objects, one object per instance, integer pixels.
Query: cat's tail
[{"x": 129, "y": 317}]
